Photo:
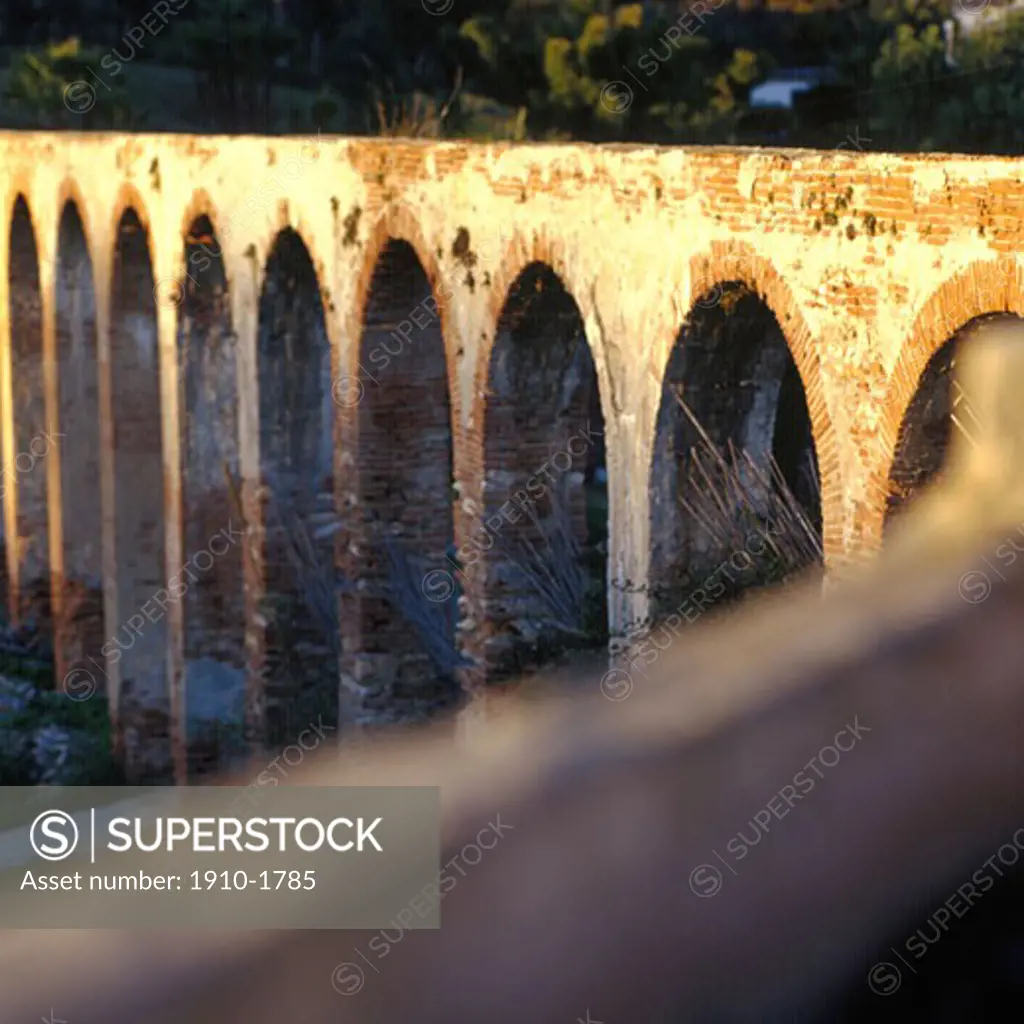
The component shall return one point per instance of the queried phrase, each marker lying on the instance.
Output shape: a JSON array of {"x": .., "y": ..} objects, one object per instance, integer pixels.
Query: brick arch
[
  {"x": 508, "y": 469},
  {"x": 400, "y": 423},
  {"x": 737, "y": 261},
  {"x": 983, "y": 287},
  {"x": 516, "y": 258},
  {"x": 398, "y": 224}
]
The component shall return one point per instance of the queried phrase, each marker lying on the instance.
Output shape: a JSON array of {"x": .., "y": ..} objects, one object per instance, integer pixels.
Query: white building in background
[{"x": 780, "y": 87}]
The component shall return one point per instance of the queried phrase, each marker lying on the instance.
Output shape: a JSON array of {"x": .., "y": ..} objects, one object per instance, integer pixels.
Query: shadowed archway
[
  {"x": 938, "y": 408},
  {"x": 80, "y": 630},
  {"x": 296, "y": 449},
  {"x": 540, "y": 545},
  {"x": 735, "y": 495},
  {"x": 27, "y": 473},
  {"x": 402, "y": 618},
  {"x": 211, "y": 513}
]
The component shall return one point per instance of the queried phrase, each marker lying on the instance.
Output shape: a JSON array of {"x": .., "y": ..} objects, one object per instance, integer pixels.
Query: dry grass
[
  {"x": 732, "y": 494},
  {"x": 551, "y": 565},
  {"x": 434, "y": 622},
  {"x": 418, "y": 117}
]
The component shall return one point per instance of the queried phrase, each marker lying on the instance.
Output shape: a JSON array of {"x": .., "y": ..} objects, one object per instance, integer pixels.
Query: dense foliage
[{"x": 582, "y": 69}]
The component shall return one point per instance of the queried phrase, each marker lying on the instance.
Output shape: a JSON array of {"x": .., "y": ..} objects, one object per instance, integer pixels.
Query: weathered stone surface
[{"x": 427, "y": 248}]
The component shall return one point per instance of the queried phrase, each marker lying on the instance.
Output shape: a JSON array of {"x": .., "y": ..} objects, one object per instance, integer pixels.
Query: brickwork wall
[
  {"x": 868, "y": 262},
  {"x": 537, "y": 438}
]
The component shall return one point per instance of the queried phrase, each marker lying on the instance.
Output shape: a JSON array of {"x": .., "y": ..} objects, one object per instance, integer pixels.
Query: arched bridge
[{"x": 247, "y": 379}]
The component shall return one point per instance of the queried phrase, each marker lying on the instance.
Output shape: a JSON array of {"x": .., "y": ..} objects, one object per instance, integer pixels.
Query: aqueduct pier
[{"x": 328, "y": 347}]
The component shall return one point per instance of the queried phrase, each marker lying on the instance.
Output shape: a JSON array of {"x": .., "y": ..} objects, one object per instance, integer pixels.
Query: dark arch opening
[
  {"x": 938, "y": 408},
  {"x": 80, "y": 629},
  {"x": 139, "y": 516},
  {"x": 27, "y": 475},
  {"x": 214, "y": 606},
  {"x": 404, "y": 654},
  {"x": 735, "y": 496},
  {"x": 543, "y": 535},
  {"x": 303, "y": 642}
]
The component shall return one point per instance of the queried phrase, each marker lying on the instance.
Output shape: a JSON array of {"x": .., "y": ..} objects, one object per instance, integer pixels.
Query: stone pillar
[
  {"x": 245, "y": 277},
  {"x": 7, "y": 441},
  {"x": 167, "y": 311},
  {"x": 140, "y": 635},
  {"x": 628, "y": 528}
]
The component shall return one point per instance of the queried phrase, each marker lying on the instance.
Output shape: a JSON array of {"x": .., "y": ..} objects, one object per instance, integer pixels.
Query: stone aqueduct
[{"x": 143, "y": 271}]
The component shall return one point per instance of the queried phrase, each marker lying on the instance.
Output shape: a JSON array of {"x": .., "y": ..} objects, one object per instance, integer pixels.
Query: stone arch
[
  {"x": 921, "y": 397},
  {"x": 299, "y": 512},
  {"x": 752, "y": 456},
  {"x": 265, "y": 242},
  {"x": 80, "y": 631},
  {"x": 71, "y": 192},
  {"x": 27, "y": 476},
  {"x": 130, "y": 198},
  {"x": 535, "y": 529},
  {"x": 140, "y": 638},
  {"x": 519, "y": 255},
  {"x": 401, "y": 622},
  {"x": 211, "y": 513}
]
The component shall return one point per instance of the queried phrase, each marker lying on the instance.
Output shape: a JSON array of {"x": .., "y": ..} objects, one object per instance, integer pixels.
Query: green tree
[
  {"x": 52, "y": 87},
  {"x": 236, "y": 51}
]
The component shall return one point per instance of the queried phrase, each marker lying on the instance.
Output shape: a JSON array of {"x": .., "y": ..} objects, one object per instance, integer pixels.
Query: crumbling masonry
[{"x": 382, "y": 342}]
